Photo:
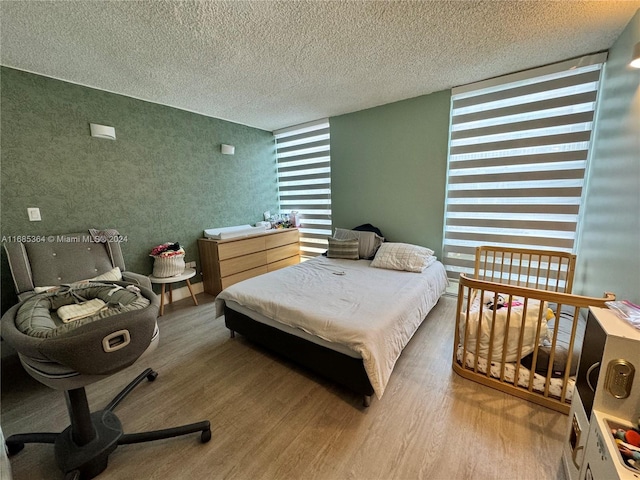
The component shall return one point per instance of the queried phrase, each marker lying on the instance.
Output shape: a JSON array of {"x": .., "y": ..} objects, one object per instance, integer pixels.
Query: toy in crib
[
  {"x": 500, "y": 302},
  {"x": 628, "y": 442}
]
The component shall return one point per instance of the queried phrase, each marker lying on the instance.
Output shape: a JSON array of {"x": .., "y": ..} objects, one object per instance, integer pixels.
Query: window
[
  {"x": 304, "y": 181},
  {"x": 518, "y": 154}
]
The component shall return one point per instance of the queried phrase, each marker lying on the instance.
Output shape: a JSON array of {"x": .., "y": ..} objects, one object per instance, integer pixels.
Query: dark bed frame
[{"x": 336, "y": 366}]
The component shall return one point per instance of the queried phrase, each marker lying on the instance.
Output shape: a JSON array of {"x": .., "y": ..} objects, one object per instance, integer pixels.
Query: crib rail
[
  {"x": 507, "y": 322},
  {"x": 542, "y": 269}
]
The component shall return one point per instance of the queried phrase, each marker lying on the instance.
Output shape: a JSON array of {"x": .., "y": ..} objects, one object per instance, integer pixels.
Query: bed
[
  {"x": 342, "y": 318},
  {"x": 518, "y": 326}
]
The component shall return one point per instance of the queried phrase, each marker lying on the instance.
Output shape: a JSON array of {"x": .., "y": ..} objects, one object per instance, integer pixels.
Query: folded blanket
[{"x": 76, "y": 311}]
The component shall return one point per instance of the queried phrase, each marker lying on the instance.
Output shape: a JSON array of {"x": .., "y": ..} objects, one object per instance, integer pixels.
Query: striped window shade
[
  {"x": 518, "y": 152},
  {"x": 304, "y": 181}
]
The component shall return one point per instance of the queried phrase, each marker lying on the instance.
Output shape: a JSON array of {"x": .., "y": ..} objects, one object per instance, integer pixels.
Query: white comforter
[{"x": 373, "y": 311}]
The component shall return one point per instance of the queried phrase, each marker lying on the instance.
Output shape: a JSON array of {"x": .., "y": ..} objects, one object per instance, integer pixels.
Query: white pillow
[
  {"x": 402, "y": 256},
  {"x": 430, "y": 261}
]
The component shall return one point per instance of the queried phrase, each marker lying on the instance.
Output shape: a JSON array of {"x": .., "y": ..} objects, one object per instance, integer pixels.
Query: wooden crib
[{"x": 518, "y": 326}]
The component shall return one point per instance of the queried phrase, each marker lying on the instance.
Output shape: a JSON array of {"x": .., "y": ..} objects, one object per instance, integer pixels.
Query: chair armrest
[{"x": 137, "y": 278}]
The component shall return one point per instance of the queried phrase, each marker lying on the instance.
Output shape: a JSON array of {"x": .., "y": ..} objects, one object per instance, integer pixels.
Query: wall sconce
[
  {"x": 227, "y": 149},
  {"x": 635, "y": 60},
  {"x": 103, "y": 131}
]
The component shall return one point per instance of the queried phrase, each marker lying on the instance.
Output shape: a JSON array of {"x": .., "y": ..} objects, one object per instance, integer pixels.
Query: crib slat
[
  {"x": 574, "y": 328},
  {"x": 501, "y": 275},
  {"x": 491, "y": 332},
  {"x": 520, "y": 342},
  {"x": 552, "y": 353},
  {"x": 456, "y": 335},
  {"x": 506, "y": 340},
  {"x": 466, "y": 327},
  {"x": 478, "y": 331},
  {"x": 532, "y": 373},
  {"x": 510, "y": 268},
  {"x": 548, "y": 275},
  {"x": 562, "y": 274}
]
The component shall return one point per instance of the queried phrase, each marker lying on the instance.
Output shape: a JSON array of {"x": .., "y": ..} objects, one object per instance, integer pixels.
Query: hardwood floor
[{"x": 273, "y": 420}]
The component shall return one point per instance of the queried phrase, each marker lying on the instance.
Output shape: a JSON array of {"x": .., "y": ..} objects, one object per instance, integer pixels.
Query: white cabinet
[{"x": 607, "y": 390}]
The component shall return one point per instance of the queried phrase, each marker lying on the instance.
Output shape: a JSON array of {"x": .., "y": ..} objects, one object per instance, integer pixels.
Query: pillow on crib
[
  {"x": 343, "y": 248},
  {"x": 402, "y": 256},
  {"x": 512, "y": 331},
  {"x": 368, "y": 242}
]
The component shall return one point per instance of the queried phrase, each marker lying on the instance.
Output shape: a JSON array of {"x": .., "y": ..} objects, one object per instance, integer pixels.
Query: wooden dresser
[{"x": 229, "y": 261}]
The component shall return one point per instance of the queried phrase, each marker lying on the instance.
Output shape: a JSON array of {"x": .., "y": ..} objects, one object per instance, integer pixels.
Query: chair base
[
  {"x": 82, "y": 450},
  {"x": 90, "y": 459}
]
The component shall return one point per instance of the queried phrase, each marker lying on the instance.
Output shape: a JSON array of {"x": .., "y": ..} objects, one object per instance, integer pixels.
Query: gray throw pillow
[
  {"x": 368, "y": 242},
  {"x": 343, "y": 248}
]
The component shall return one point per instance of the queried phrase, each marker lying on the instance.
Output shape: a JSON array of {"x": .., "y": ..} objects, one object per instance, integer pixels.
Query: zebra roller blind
[
  {"x": 304, "y": 181},
  {"x": 517, "y": 160}
]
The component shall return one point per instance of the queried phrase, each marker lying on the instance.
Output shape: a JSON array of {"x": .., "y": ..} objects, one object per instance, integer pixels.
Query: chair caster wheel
[
  {"x": 14, "y": 448},
  {"x": 72, "y": 475},
  {"x": 205, "y": 436},
  {"x": 152, "y": 376}
]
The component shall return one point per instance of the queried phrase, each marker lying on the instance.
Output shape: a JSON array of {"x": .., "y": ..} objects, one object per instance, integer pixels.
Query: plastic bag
[{"x": 627, "y": 311}]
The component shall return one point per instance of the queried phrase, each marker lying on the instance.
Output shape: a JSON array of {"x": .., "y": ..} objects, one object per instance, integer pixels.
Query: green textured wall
[
  {"x": 163, "y": 179},
  {"x": 609, "y": 248},
  {"x": 388, "y": 168}
]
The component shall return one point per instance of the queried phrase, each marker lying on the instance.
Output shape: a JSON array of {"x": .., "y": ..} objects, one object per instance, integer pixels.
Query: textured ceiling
[{"x": 271, "y": 64}]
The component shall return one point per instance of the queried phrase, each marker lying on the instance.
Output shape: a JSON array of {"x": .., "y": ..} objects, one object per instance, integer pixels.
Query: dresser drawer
[
  {"x": 280, "y": 253},
  {"x": 240, "y": 247},
  {"x": 238, "y": 277},
  {"x": 284, "y": 263},
  {"x": 235, "y": 265},
  {"x": 281, "y": 238}
]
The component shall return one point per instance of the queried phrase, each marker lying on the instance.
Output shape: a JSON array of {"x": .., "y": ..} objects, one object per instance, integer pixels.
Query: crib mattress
[{"x": 524, "y": 375}]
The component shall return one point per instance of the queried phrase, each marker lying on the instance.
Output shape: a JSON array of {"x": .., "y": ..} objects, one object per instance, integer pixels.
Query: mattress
[
  {"x": 373, "y": 312},
  {"x": 298, "y": 332}
]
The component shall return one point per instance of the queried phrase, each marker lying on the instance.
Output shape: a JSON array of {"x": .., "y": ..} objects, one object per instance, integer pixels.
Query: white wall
[{"x": 609, "y": 248}]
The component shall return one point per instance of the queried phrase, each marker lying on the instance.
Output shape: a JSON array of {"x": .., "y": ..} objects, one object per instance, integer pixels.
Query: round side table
[{"x": 183, "y": 277}]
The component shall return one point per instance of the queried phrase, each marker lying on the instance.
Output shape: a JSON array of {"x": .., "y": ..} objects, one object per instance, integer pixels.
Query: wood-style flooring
[{"x": 273, "y": 420}]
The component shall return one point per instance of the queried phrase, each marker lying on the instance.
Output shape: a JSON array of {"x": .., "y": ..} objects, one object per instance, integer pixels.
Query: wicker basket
[{"x": 168, "y": 266}]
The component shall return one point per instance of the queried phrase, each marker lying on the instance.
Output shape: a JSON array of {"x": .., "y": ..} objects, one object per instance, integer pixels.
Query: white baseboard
[{"x": 183, "y": 292}]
